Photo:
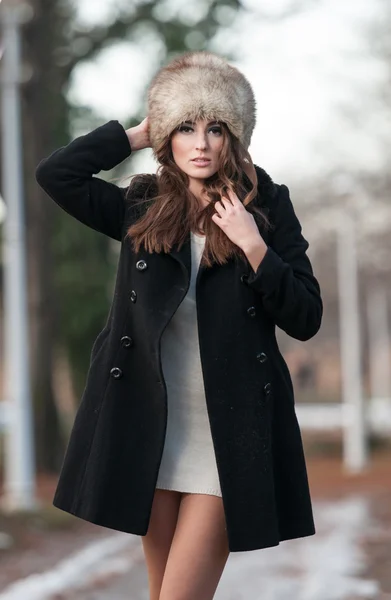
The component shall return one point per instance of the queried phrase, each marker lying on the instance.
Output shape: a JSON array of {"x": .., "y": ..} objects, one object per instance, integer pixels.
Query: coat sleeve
[
  {"x": 284, "y": 279},
  {"x": 67, "y": 177}
]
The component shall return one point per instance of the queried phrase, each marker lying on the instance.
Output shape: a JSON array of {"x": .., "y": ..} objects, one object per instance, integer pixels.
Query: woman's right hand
[{"x": 138, "y": 136}]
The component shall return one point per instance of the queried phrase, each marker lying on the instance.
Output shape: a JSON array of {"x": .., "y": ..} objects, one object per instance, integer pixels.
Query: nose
[{"x": 201, "y": 141}]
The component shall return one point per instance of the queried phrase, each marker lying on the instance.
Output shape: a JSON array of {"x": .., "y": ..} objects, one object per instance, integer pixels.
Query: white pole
[
  {"x": 19, "y": 485},
  {"x": 379, "y": 342},
  {"x": 354, "y": 447}
]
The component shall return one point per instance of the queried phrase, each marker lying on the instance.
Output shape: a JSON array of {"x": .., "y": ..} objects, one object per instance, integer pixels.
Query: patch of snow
[
  {"x": 98, "y": 558},
  {"x": 326, "y": 566}
]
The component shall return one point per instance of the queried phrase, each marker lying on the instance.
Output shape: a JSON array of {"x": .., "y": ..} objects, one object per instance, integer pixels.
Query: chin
[{"x": 203, "y": 173}]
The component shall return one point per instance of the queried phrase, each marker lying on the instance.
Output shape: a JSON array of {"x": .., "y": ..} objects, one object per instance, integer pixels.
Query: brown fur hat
[{"x": 200, "y": 85}]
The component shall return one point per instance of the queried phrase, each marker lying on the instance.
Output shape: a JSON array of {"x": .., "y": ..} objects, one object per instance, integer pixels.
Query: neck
[{"x": 195, "y": 186}]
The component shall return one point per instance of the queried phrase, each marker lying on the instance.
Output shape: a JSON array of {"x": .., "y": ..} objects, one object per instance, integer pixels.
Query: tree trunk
[{"x": 42, "y": 107}]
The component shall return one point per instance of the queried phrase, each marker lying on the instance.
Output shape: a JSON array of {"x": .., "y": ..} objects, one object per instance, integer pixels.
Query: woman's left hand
[{"x": 236, "y": 222}]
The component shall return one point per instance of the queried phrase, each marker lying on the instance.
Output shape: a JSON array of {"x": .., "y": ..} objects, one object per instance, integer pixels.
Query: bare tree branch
[{"x": 85, "y": 44}]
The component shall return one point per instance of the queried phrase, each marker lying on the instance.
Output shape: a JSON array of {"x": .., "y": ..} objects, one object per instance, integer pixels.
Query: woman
[{"x": 186, "y": 433}]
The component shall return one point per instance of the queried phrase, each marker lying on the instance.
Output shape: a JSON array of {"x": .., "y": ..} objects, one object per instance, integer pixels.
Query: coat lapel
[{"x": 183, "y": 256}]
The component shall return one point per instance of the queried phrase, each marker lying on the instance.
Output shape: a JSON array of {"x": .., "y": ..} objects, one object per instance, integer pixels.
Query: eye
[
  {"x": 216, "y": 129},
  {"x": 184, "y": 128}
]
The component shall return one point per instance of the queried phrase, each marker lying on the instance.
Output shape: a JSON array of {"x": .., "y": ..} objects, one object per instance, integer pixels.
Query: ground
[{"x": 34, "y": 544}]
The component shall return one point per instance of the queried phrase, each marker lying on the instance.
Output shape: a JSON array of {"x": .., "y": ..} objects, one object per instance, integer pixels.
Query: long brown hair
[{"x": 174, "y": 210}]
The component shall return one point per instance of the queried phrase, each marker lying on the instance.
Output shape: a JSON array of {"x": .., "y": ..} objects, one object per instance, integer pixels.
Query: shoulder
[
  {"x": 140, "y": 192},
  {"x": 269, "y": 193},
  {"x": 267, "y": 188},
  {"x": 142, "y": 185},
  {"x": 275, "y": 202}
]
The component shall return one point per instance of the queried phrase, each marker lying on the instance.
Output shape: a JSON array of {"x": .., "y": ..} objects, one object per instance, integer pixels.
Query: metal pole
[
  {"x": 19, "y": 485},
  {"x": 379, "y": 342},
  {"x": 354, "y": 447}
]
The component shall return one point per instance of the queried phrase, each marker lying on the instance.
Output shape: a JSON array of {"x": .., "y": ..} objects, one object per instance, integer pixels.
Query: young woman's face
[{"x": 193, "y": 140}]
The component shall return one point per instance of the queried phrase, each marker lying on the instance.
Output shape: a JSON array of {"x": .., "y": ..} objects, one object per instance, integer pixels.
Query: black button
[
  {"x": 133, "y": 296},
  {"x": 261, "y": 357},
  {"x": 126, "y": 341},
  {"x": 251, "y": 311},
  {"x": 116, "y": 373},
  {"x": 243, "y": 278},
  {"x": 267, "y": 388},
  {"x": 141, "y": 265}
]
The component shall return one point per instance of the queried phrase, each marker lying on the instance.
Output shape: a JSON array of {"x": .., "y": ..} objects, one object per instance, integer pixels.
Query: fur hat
[{"x": 200, "y": 85}]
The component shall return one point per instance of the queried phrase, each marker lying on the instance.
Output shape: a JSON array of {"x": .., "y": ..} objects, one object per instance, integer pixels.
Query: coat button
[
  {"x": 261, "y": 357},
  {"x": 141, "y": 265},
  {"x": 251, "y": 311},
  {"x": 126, "y": 341},
  {"x": 116, "y": 373},
  {"x": 267, "y": 388},
  {"x": 133, "y": 296},
  {"x": 243, "y": 278}
]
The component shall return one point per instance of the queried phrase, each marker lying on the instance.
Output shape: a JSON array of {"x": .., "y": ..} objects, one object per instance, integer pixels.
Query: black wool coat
[{"x": 112, "y": 461}]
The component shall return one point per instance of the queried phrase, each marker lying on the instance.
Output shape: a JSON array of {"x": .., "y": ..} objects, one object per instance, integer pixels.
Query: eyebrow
[{"x": 210, "y": 122}]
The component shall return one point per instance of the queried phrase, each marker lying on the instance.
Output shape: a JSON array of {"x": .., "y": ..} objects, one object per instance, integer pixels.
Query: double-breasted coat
[{"x": 113, "y": 456}]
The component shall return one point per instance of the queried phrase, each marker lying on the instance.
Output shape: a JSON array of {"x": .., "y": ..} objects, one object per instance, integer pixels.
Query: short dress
[{"x": 188, "y": 462}]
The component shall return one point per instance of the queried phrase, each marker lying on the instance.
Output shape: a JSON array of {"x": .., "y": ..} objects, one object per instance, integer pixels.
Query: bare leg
[
  {"x": 157, "y": 541},
  {"x": 199, "y": 550}
]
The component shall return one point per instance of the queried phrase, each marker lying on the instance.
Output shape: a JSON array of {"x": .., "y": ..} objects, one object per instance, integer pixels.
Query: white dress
[{"x": 188, "y": 462}]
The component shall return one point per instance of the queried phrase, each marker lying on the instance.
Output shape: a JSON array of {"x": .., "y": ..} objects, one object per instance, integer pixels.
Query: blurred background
[{"x": 321, "y": 72}]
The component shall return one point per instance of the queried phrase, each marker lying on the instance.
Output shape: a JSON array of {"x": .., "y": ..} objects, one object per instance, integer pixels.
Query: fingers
[
  {"x": 220, "y": 207},
  {"x": 228, "y": 203},
  {"x": 230, "y": 199}
]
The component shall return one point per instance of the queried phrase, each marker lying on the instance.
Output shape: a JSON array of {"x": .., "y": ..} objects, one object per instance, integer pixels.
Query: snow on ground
[
  {"x": 326, "y": 566},
  {"x": 78, "y": 570}
]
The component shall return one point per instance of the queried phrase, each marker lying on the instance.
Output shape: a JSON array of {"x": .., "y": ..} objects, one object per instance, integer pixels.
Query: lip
[{"x": 201, "y": 162}]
